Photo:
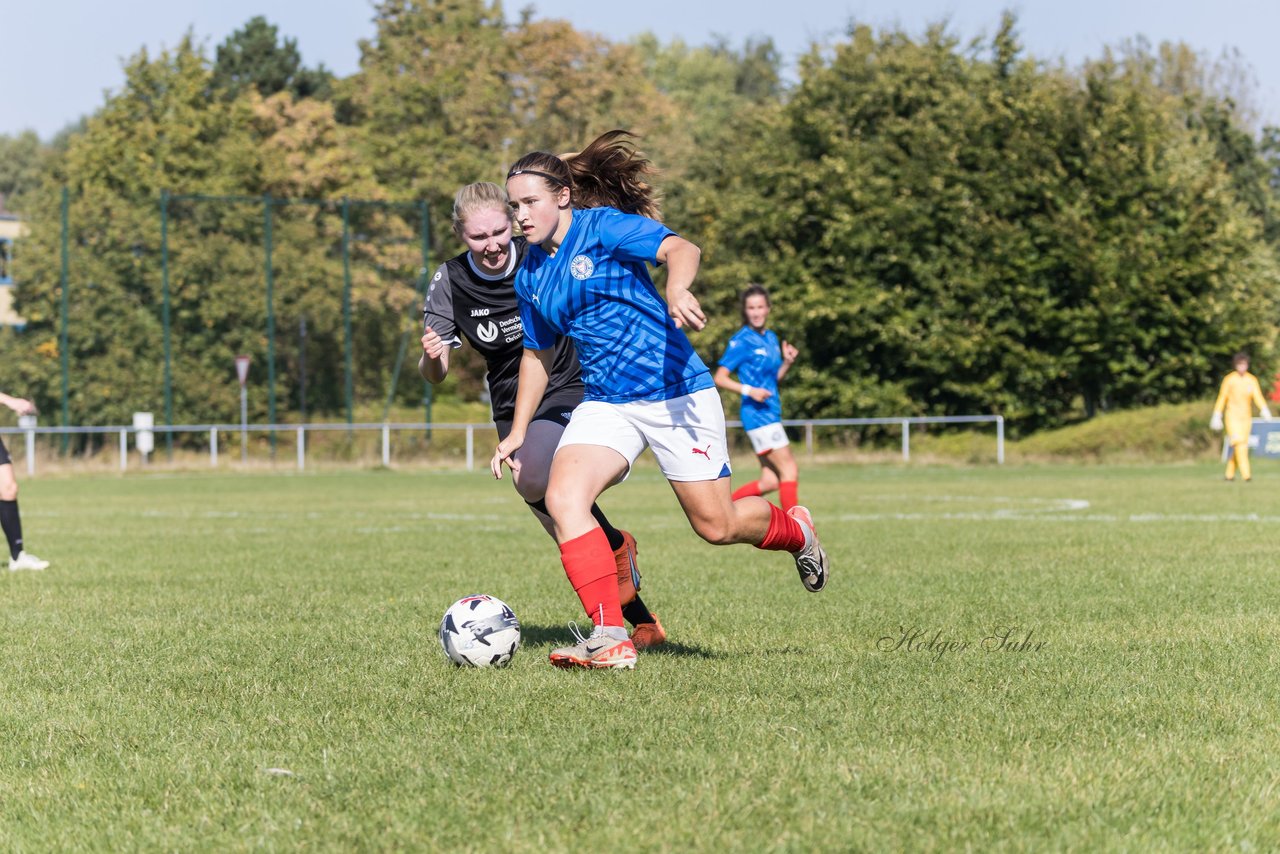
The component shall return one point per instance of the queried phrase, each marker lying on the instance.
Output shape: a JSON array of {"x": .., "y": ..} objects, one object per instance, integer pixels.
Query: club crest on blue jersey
[{"x": 581, "y": 267}]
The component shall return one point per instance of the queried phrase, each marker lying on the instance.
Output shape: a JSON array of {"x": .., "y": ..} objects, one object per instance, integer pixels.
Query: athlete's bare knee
[
  {"x": 718, "y": 532},
  {"x": 566, "y": 504},
  {"x": 9, "y": 490}
]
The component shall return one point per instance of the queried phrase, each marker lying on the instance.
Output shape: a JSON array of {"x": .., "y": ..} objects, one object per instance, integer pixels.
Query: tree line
[{"x": 946, "y": 227}]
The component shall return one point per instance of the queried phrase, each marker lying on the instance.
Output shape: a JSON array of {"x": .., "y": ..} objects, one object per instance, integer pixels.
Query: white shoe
[
  {"x": 26, "y": 560},
  {"x": 811, "y": 561}
]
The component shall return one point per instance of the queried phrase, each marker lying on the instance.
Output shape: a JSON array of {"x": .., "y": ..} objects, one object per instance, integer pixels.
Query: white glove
[
  {"x": 1215, "y": 423},
  {"x": 1266, "y": 414}
]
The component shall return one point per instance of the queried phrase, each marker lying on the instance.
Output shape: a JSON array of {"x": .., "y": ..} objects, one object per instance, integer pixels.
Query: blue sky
[{"x": 57, "y": 57}]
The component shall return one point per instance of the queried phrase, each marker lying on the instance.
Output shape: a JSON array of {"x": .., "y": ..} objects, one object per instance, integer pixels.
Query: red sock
[
  {"x": 588, "y": 561},
  {"x": 787, "y": 493},
  {"x": 785, "y": 533},
  {"x": 747, "y": 489}
]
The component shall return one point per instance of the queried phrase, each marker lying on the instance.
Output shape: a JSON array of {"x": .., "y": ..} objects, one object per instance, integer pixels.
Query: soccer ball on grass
[{"x": 480, "y": 631}]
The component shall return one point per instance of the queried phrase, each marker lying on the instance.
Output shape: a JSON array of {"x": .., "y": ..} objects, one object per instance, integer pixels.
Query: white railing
[{"x": 216, "y": 431}]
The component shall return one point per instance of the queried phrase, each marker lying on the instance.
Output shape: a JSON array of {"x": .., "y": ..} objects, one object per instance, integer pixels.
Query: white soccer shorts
[
  {"x": 768, "y": 438},
  {"x": 686, "y": 433}
]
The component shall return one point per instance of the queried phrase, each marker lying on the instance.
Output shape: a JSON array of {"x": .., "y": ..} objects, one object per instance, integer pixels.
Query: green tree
[
  {"x": 22, "y": 158},
  {"x": 255, "y": 57},
  {"x": 950, "y": 232},
  {"x": 164, "y": 132}
]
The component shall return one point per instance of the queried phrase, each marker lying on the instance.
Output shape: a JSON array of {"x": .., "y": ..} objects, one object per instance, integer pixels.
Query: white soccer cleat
[
  {"x": 26, "y": 560},
  {"x": 599, "y": 650},
  {"x": 811, "y": 561}
]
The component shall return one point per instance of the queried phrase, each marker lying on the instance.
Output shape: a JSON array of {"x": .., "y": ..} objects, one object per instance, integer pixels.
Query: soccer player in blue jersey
[
  {"x": 471, "y": 297},
  {"x": 761, "y": 361},
  {"x": 591, "y": 222}
]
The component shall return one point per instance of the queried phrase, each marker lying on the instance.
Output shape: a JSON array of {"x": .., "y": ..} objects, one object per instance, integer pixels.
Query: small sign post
[
  {"x": 143, "y": 437},
  {"x": 242, "y": 373}
]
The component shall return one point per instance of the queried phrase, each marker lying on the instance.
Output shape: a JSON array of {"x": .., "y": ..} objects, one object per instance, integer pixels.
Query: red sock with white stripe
[{"x": 588, "y": 561}]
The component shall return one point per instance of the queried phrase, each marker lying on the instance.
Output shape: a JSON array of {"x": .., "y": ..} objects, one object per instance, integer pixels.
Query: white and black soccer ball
[{"x": 480, "y": 631}]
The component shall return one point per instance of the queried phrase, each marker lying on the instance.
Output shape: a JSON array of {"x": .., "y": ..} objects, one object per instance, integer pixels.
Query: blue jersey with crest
[
  {"x": 756, "y": 357},
  {"x": 596, "y": 290}
]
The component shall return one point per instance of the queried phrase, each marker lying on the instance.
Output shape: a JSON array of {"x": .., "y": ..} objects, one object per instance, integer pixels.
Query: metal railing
[{"x": 217, "y": 431}]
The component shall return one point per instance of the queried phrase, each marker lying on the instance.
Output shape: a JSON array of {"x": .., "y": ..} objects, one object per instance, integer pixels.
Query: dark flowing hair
[
  {"x": 609, "y": 172},
  {"x": 749, "y": 291}
]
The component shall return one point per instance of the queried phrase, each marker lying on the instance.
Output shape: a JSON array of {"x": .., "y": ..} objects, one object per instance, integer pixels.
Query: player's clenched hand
[
  {"x": 684, "y": 309},
  {"x": 504, "y": 454},
  {"x": 759, "y": 395},
  {"x": 433, "y": 345},
  {"x": 789, "y": 352}
]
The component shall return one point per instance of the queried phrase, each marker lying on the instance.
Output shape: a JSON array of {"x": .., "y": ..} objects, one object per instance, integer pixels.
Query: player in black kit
[
  {"x": 471, "y": 296},
  {"x": 9, "y": 519}
]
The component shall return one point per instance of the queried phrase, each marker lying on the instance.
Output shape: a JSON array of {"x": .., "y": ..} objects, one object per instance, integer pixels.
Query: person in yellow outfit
[{"x": 1234, "y": 410}]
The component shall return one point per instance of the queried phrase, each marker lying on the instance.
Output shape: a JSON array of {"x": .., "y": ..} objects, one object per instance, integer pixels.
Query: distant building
[{"x": 11, "y": 229}]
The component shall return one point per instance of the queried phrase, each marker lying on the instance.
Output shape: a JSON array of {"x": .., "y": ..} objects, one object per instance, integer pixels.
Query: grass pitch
[{"x": 1017, "y": 658}]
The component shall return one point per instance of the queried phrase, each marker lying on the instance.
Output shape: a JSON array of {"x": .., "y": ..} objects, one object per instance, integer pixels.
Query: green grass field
[{"x": 249, "y": 661}]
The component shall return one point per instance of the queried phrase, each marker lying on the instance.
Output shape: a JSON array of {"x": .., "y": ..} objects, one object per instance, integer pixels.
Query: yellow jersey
[{"x": 1237, "y": 397}]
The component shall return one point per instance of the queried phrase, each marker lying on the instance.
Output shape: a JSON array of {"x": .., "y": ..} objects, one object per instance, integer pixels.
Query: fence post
[
  {"x": 808, "y": 437},
  {"x": 124, "y": 449},
  {"x": 271, "y": 319},
  {"x": 63, "y": 354},
  {"x": 302, "y": 446},
  {"x": 347, "y": 382},
  {"x": 471, "y": 447},
  {"x": 386, "y": 445},
  {"x": 164, "y": 314},
  {"x": 906, "y": 440},
  {"x": 1000, "y": 440},
  {"x": 213, "y": 447},
  {"x": 31, "y": 450}
]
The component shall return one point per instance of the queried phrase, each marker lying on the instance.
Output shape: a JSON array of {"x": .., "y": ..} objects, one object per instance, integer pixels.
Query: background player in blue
[
  {"x": 591, "y": 223},
  {"x": 471, "y": 296},
  {"x": 761, "y": 361}
]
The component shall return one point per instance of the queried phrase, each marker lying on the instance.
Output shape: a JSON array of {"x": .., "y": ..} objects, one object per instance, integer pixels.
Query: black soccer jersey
[{"x": 463, "y": 302}]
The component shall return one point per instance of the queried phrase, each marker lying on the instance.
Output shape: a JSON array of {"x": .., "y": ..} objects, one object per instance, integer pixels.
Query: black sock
[
  {"x": 614, "y": 535},
  {"x": 12, "y": 524},
  {"x": 636, "y": 612}
]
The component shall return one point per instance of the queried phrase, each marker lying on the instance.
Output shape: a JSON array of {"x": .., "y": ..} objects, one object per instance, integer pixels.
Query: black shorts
[
  {"x": 557, "y": 410},
  {"x": 4, "y": 454}
]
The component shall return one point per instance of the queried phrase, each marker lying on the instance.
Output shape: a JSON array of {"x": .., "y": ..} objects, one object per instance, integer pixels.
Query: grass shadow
[{"x": 532, "y": 634}]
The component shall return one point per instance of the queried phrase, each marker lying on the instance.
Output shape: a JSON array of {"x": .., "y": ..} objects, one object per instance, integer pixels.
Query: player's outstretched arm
[
  {"x": 724, "y": 381},
  {"x": 20, "y": 405},
  {"x": 434, "y": 362},
  {"x": 535, "y": 370},
  {"x": 682, "y": 260},
  {"x": 789, "y": 354}
]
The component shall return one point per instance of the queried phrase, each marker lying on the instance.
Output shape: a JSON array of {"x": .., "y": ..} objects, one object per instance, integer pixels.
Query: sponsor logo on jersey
[
  {"x": 438, "y": 276},
  {"x": 706, "y": 453},
  {"x": 487, "y": 332},
  {"x": 581, "y": 267},
  {"x": 479, "y": 312}
]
